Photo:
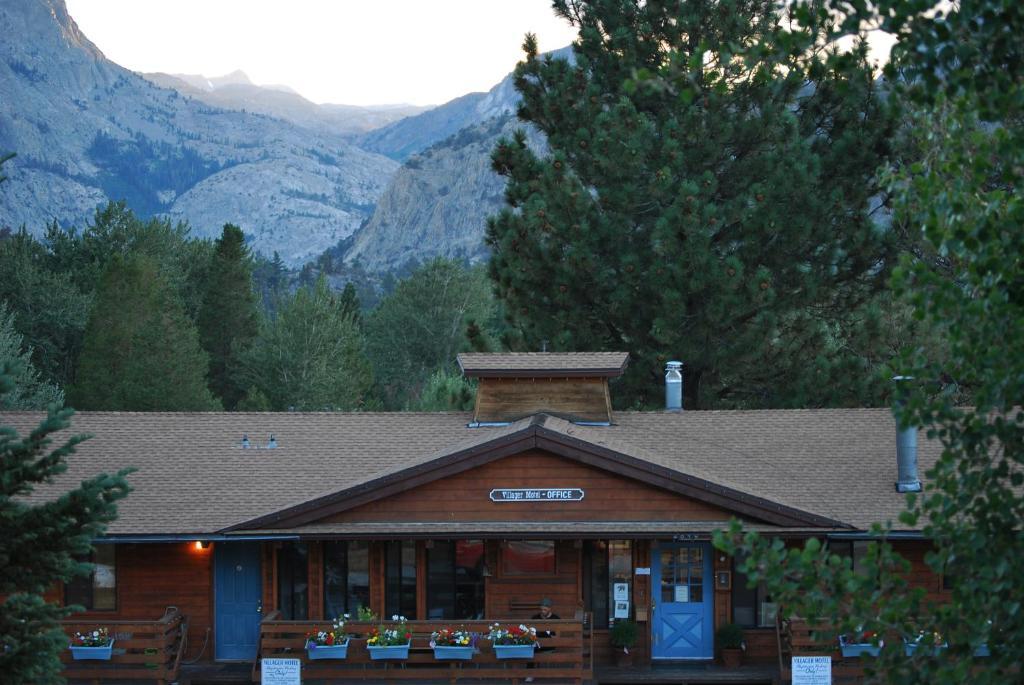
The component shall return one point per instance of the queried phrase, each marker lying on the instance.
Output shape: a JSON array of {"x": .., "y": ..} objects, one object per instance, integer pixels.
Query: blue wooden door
[
  {"x": 682, "y": 624},
  {"x": 238, "y": 599}
]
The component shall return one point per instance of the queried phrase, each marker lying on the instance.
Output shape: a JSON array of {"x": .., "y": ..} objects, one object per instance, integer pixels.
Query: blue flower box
[
  {"x": 389, "y": 652},
  {"x": 315, "y": 651},
  {"x": 856, "y": 649},
  {"x": 982, "y": 651},
  {"x": 445, "y": 653},
  {"x": 81, "y": 653},
  {"x": 912, "y": 648},
  {"x": 513, "y": 651}
]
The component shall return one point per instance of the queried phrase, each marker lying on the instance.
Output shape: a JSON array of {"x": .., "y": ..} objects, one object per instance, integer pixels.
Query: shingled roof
[
  {"x": 542, "y": 364},
  {"x": 194, "y": 478}
]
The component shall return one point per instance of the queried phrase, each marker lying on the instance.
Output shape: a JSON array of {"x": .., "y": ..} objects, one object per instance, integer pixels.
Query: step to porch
[{"x": 685, "y": 674}]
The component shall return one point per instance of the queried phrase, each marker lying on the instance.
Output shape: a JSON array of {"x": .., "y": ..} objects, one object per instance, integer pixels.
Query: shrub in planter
[
  {"x": 623, "y": 638},
  {"x": 729, "y": 639}
]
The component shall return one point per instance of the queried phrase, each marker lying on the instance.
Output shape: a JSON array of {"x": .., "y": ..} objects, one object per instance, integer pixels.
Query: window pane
[
  {"x": 400, "y": 588},
  {"x": 441, "y": 581},
  {"x": 292, "y": 581},
  {"x": 346, "y": 577},
  {"x": 104, "y": 578},
  {"x": 620, "y": 567},
  {"x": 745, "y": 601},
  {"x": 469, "y": 579},
  {"x": 525, "y": 557},
  {"x": 78, "y": 591},
  {"x": 596, "y": 590}
]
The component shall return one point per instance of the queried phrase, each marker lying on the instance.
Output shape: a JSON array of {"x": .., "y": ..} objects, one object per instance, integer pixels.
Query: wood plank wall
[
  {"x": 509, "y": 399},
  {"x": 466, "y": 496},
  {"x": 151, "y": 577}
]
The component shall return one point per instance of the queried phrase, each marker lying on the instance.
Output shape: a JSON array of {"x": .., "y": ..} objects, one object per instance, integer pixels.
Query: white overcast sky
[{"x": 357, "y": 52}]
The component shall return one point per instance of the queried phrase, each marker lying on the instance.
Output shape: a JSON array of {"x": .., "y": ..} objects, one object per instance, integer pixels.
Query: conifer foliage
[
  {"x": 228, "y": 318},
  {"x": 141, "y": 351},
  {"x": 38, "y": 541},
  {"x": 705, "y": 196}
]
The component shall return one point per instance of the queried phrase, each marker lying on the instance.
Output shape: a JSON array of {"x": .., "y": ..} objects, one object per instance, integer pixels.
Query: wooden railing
[
  {"x": 797, "y": 637},
  {"x": 143, "y": 650},
  {"x": 565, "y": 655}
]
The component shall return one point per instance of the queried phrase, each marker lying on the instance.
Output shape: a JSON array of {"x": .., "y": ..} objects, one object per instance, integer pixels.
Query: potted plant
[
  {"x": 623, "y": 638},
  {"x": 390, "y": 642},
  {"x": 513, "y": 642},
  {"x": 930, "y": 643},
  {"x": 861, "y": 642},
  {"x": 452, "y": 644},
  {"x": 95, "y": 644},
  {"x": 730, "y": 641},
  {"x": 328, "y": 644}
]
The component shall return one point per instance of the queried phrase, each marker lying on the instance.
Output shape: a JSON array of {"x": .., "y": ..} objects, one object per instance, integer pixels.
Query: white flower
[
  {"x": 345, "y": 616},
  {"x": 394, "y": 617},
  {"x": 95, "y": 633}
]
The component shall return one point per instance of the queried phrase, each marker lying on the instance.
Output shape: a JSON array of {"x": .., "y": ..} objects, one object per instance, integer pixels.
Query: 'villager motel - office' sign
[{"x": 537, "y": 495}]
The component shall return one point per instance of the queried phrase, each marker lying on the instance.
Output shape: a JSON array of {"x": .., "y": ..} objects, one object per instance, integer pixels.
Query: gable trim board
[{"x": 535, "y": 434}]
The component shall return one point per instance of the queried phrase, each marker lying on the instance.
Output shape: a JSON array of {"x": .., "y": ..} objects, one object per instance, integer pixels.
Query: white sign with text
[
  {"x": 812, "y": 670},
  {"x": 280, "y": 671}
]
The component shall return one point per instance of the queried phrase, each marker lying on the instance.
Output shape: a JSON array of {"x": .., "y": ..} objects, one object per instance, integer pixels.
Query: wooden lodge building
[{"x": 240, "y": 520}]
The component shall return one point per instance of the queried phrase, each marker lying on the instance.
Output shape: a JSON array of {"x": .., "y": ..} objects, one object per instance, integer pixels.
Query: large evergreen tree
[
  {"x": 308, "y": 356},
  {"x": 228, "y": 318},
  {"x": 422, "y": 325},
  {"x": 706, "y": 195},
  {"x": 39, "y": 541},
  {"x": 141, "y": 351},
  {"x": 29, "y": 391}
]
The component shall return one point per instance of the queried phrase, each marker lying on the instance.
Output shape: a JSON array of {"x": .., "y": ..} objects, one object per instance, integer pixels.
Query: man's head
[{"x": 545, "y": 607}]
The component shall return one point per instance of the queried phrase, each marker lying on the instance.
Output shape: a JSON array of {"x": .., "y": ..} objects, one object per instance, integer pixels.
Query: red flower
[
  {"x": 330, "y": 638},
  {"x": 408, "y": 635}
]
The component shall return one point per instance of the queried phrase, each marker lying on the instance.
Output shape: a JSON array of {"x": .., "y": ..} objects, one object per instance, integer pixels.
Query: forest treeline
[{"x": 138, "y": 315}]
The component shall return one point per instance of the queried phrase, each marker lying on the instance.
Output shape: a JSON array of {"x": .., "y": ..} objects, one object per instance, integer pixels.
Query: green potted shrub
[
  {"x": 729, "y": 639},
  {"x": 623, "y": 638}
]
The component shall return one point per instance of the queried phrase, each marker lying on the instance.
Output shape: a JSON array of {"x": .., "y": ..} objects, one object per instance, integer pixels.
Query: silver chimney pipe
[
  {"x": 906, "y": 453},
  {"x": 674, "y": 386}
]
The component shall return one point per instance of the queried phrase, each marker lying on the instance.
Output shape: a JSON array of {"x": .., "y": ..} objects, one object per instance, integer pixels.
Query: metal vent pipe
[
  {"x": 674, "y": 386},
  {"x": 906, "y": 453}
]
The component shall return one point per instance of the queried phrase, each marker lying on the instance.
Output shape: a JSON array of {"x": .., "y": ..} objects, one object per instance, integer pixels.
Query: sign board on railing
[
  {"x": 812, "y": 670},
  {"x": 280, "y": 671}
]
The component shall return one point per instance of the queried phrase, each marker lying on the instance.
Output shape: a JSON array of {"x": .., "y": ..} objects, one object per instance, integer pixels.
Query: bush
[
  {"x": 623, "y": 634},
  {"x": 729, "y": 636}
]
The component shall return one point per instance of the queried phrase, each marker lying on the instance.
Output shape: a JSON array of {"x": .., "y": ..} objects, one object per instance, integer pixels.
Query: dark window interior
[
  {"x": 528, "y": 557},
  {"x": 455, "y": 581},
  {"x": 293, "y": 581},
  {"x": 96, "y": 591},
  {"x": 346, "y": 577},
  {"x": 400, "y": 587}
]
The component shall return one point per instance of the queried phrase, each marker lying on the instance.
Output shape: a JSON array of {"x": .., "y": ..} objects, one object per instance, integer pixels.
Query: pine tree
[
  {"x": 29, "y": 391},
  {"x": 350, "y": 304},
  {"x": 308, "y": 356},
  {"x": 39, "y": 540},
  {"x": 141, "y": 352},
  {"x": 228, "y": 318},
  {"x": 705, "y": 196}
]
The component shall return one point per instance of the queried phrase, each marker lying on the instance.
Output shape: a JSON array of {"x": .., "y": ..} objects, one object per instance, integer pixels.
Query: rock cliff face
[
  {"x": 86, "y": 130},
  {"x": 437, "y": 204}
]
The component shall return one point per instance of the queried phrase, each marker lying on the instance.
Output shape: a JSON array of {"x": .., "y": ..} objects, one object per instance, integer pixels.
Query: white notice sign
[
  {"x": 621, "y": 610},
  {"x": 812, "y": 670},
  {"x": 280, "y": 671},
  {"x": 621, "y": 592},
  {"x": 682, "y": 593},
  {"x": 643, "y": 570}
]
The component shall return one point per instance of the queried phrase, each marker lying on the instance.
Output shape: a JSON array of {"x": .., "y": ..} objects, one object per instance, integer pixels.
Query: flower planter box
[
  {"x": 857, "y": 649},
  {"x": 389, "y": 652},
  {"x": 912, "y": 648},
  {"x": 339, "y": 651},
  {"x": 103, "y": 653},
  {"x": 446, "y": 653},
  {"x": 513, "y": 651},
  {"x": 982, "y": 651}
]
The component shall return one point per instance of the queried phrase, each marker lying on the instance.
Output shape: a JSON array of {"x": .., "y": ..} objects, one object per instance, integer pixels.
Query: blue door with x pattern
[{"x": 682, "y": 623}]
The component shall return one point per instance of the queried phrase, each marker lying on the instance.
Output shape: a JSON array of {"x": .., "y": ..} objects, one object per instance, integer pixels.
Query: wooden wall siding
[
  {"x": 466, "y": 496},
  {"x": 508, "y": 399},
  {"x": 152, "y": 577},
  {"x": 518, "y": 597}
]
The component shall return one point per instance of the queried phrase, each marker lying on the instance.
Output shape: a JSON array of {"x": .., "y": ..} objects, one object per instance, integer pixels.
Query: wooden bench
[
  {"x": 143, "y": 650},
  {"x": 564, "y": 657},
  {"x": 797, "y": 637}
]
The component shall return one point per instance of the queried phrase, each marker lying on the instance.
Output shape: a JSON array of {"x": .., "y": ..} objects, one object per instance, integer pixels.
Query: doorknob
[{"x": 259, "y": 607}]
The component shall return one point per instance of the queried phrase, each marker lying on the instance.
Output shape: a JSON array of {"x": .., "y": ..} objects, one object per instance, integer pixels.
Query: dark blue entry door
[
  {"x": 238, "y": 599},
  {"x": 682, "y": 623}
]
